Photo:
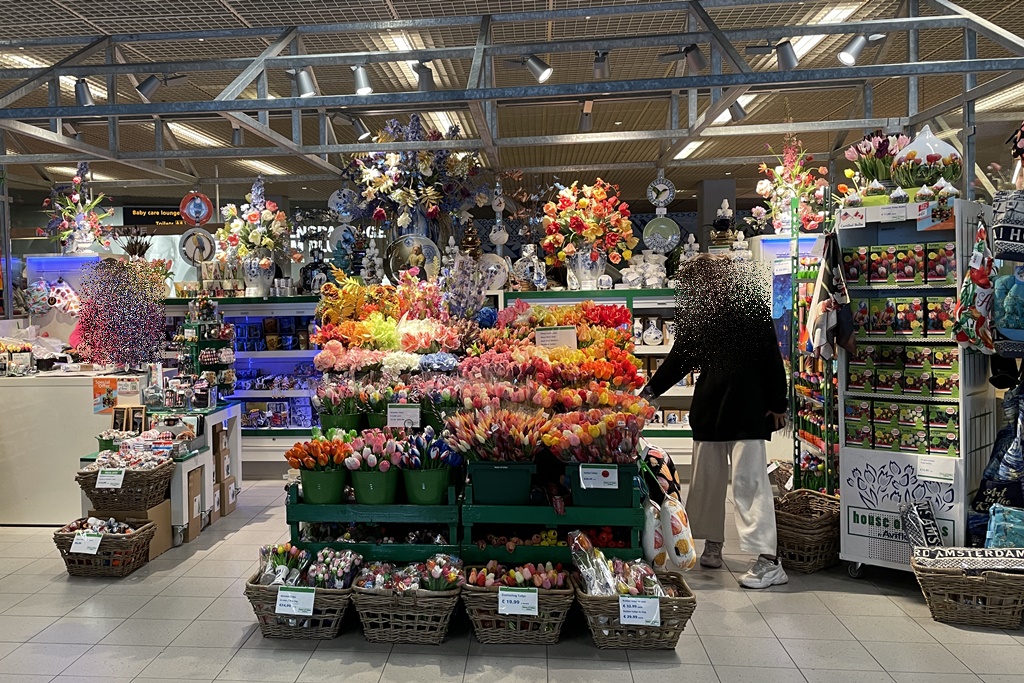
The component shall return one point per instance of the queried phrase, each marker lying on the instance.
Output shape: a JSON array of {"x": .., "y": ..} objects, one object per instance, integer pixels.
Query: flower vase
[
  {"x": 257, "y": 279},
  {"x": 78, "y": 242},
  {"x": 586, "y": 268}
]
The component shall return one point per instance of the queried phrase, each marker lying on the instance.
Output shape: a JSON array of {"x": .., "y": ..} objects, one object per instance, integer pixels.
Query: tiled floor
[{"x": 183, "y": 618}]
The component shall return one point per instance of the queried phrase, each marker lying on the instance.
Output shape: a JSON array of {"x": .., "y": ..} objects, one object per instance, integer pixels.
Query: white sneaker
[
  {"x": 712, "y": 555},
  {"x": 764, "y": 573}
]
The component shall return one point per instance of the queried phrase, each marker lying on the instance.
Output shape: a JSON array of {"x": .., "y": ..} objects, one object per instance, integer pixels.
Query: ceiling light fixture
[
  {"x": 304, "y": 82},
  {"x": 149, "y": 86},
  {"x": 851, "y": 52},
  {"x": 540, "y": 69},
  {"x": 237, "y": 139},
  {"x": 602, "y": 71},
  {"x": 363, "y": 86},
  {"x": 786, "y": 55},
  {"x": 362, "y": 132},
  {"x": 736, "y": 112},
  {"x": 425, "y": 77},
  {"x": 695, "y": 59},
  {"x": 586, "y": 117},
  {"x": 83, "y": 96}
]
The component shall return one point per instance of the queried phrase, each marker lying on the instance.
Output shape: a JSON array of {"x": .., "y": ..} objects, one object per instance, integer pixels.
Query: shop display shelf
[
  {"x": 471, "y": 553},
  {"x": 91, "y": 457},
  {"x": 272, "y": 393},
  {"x": 277, "y": 431},
  {"x": 912, "y": 398},
  {"x": 906, "y": 340},
  {"x": 276, "y": 355},
  {"x": 931, "y": 286},
  {"x": 393, "y": 552},
  {"x": 659, "y": 350},
  {"x": 678, "y": 392},
  {"x": 810, "y": 399},
  {"x": 239, "y": 300}
]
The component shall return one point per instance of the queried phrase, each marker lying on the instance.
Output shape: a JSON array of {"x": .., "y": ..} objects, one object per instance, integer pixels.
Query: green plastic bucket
[
  {"x": 426, "y": 487},
  {"x": 595, "y": 497},
  {"x": 323, "y": 488},
  {"x": 106, "y": 444},
  {"x": 348, "y": 422},
  {"x": 501, "y": 483},
  {"x": 377, "y": 420},
  {"x": 375, "y": 488}
]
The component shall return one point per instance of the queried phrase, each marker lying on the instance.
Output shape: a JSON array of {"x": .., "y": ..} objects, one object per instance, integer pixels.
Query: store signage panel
[{"x": 153, "y": 215}]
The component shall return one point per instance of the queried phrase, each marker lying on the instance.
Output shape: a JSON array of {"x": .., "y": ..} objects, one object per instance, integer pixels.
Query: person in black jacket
[{"x": 724, "y": 330}]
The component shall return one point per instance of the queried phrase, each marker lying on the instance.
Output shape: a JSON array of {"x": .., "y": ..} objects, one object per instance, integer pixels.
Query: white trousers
[{"x": 751, "y": 492}]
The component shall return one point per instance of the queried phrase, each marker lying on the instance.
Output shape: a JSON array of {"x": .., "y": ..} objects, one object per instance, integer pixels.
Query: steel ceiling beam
[
  {"x": 993, "y": 32},
  {"x": 83, "y": 149},
  {"x": 477, "y": 78},
  {"x": 988, "y": 88},
  {"x": 256, "y": 66},
  {"x": 37, "y": 81}
]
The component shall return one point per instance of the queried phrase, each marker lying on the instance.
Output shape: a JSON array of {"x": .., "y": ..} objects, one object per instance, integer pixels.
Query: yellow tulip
[{"x": 848, "y": 173}]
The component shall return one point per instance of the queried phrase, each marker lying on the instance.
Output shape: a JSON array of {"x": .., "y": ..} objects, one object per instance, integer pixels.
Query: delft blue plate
[{"x": 396, "y": 256}]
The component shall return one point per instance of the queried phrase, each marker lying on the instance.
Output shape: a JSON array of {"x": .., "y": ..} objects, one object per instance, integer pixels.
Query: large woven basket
[
  {"x": 118, "y": 554},
  {"x": 492, "y": 628},
  {"x": 993, "y": 599},
  {"x": 808, "y": 530},
  {"x": 419, "y": 618},
  {"x": 328, "y": 610},
  {"x": 141, "y": 489},
  {"x": 602, "y": 612}
]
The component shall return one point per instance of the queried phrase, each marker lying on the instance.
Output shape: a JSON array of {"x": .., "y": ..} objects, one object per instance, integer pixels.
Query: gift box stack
[{"x": 225, "y": 490}]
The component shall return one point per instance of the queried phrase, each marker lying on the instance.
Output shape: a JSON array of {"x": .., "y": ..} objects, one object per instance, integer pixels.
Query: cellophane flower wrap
[
  {"x": 377, "y": 450},
  {"x": 282, "y": 565},
  {"x": 588, "y": 219},
  {"x": 439, "y": 573},
  {"x": 333, "y": 569},
  {"x": 255, "y": 227}
]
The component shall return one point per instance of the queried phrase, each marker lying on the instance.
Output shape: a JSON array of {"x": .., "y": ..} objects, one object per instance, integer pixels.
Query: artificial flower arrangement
[
  {"x": 426, "y": 335},
  {"x": 439, "y": 573},
  {"x": 374, "y": 397},
  {"x": 75, "y": 219},
  {"x": 497, "y": 435},
  {"x": 333, "y": 569},
  {"x": 874, "y": 155},
  {"x": 257, "y": 227},
  {"x": 442, "y": 362},
  {"x": 283, "y": 565},
  {"x": 401, "y": 186},
  {"x": 376, "y": 331},
  {"x": 353, "y": 362},
  {"x": 336, "y": 398},
  {"x": 429, "y": 451},
  {"x": 546, "y": 576},
  {"x": 377, "y": 450},
  {"x": 588, "y": 220},
  {"x": 791, "y": 177},
  {"x": 925, "y": 161},
  {"x": 759, "y": 221},
  {"x": 324, "y": 453},
  {"x": 419, "y": 299},
  {"x": 594, "y": 436}
]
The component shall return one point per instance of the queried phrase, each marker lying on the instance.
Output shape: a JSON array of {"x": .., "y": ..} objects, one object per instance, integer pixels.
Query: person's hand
[{"x": 780, "y": 419}]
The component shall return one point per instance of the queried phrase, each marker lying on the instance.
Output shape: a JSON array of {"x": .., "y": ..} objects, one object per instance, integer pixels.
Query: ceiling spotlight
[
  {"x": 425, "y": 77},
  {"x": 695, "y": 59},
  {"x": 363, "y": 86},
  {"x": 786, "y": 56},
  {"x": 586, "y": 122},
  {"x": 236, "y": 137},
  {"x": 362, "y": 132},
  {"x": 304, "y": 82},
  {"x": 852, "y": 51},
  {"x": 83, "y": 96},
  {"x": 602, "y": 72},
  {"x": 539, "y": 68},
  {"x": 149, "y": 87},
  {"x": 736, "y": 112}
]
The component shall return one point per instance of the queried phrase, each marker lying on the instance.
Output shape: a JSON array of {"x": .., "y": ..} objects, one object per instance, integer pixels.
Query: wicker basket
[
  {"x": 602, "y": 612},
  {"x": 118, "y": 554},
  {"x": 419, "y": 618},
  {"x": 808, "y": 530},
  {"x": 328, "y": 610},
  {"x": 994, "y": 599},
  {"x": 141, "y": 489},
  {"x": 779, "y": 477},
  {"x": 493, "y": 628}
]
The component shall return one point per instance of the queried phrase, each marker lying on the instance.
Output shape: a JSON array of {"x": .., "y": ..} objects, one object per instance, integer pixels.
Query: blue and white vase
[
  {"x": 257, "y": 280},
  {"x": 586, "y": 269}
]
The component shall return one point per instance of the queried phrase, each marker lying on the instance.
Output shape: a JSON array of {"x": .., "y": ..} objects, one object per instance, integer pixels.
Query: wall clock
[{"x": 661, "y": 192}]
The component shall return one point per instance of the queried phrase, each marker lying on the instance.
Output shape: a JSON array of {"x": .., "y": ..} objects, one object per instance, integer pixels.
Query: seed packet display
[
  {"x": 944, "y": 418},
  {"x": 856, "y": 264},
  {"x": 909, "y": 266},
  {"x": 945, "y": 383},
  {"x": 914, "y": 440},
  {"x": 942, "y": 442},
  {"x": 883, "y": 316},
  {"x": 860, "y": 379},
  {"x": 909, "y": 321},
  {"x": 887, "y": 438},
  {"x": 890, "y": 356},
  {"x": 857, "y": 411},
  {"x": 883, "y": 265},
  {"x": 858, "y": 435},
  {"x": 940, "y": 316},
  {"x": 861, "y": 308},
  {"x": 946, "y": 358},
  {"x": 919, "y": 357},
  {"x": 941, "y": 266},
  {"x": 889, "y": 381},
  {"x": 885, "y": 414},
  {"x": 917, "y": 381},
  {"x": 864, "y": 355},
  {"x": 919, "y": 524},
  {"x": 911, "y": 415}
]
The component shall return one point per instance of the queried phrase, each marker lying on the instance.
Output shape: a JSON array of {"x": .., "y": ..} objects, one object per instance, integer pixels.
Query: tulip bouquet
[
  {"x": 353, "y": 362},
  {"x": 377, "y": 450},
  {"x": 497, "y": 435},
  {"x": 588, "y": 220},
  {"x": 336, "y": 398},
  {"x": 546, "y": 576},
  {"x": 426, "y": 336},
  {"x": 321, "y": 455},
  {"x": 283, "y": 564},
  {"x": 333, "y": 569},
  {"x": 419, "y": 299},
  {"x": 374, "y": 397},
  {"x": 910, "y": 170},
  {"x": 442, "y": 395},
  {"x": 440, "y": 573},
  {"x": 429, "y": 451},
  {"x": 593, "y": 436},
  {"x": 873, "y": 156}
]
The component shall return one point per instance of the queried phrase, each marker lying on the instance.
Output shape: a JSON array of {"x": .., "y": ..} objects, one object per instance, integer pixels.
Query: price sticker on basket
[
  {"x": 110, "y": 479},
  {"x": 639, "y": 610},
  {"x": 86, "y": 543},
  {"x": 296, "y": 600},
  {"x": 517, "y": 601},
  {"x": 599, "y": 477}
]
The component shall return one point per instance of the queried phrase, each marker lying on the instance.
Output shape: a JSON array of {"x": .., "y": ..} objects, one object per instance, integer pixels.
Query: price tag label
[
  {"x": 892, "y": 213},
  {"x": 517, "y": 601},
  {"x": 599, "y": 477},
  {"x": 403, "y": 415},
  {"x": 977, "y": 259},
  {"x": 110, "y": 479},
  {"x": 641, "y": 610},
  {"x": 772, "y": 467},
  {"x": 936, "y": 468},
  {"x": 296, "y": 600},
  {"x": 551, "y": 337},
  {"x": 789, "y": 483},
  {"x": 852, "y": 217},
  {"x": 86, "y": 542}
]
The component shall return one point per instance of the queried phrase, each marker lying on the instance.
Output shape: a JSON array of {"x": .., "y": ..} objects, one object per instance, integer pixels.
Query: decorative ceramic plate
[
  {"x": 496, "y": 269},
  {"x": 662, "y": 235},
  {"x": 396, "y": 256},
  {"x": 342, "y": 201}
]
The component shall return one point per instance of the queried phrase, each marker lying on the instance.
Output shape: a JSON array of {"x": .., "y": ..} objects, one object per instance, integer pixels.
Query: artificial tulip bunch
[
  {"x": 429, "y": 451},
  {"x": 427, "y": 335},
  {"x": 333, "y": 569},
  {"x": 283, "y": 564},
  {"x": 593, "y": 396},
  {"x": 593, "y": 436},
  {"x": 439, "y": 573},
  {"x": 321, "y": 455},
  {"x": 377, "y": 450},
  {"x": 546, "y": 576},
  {"x": 354, "y": 361},
  {"x": 374, "y": 397},
  {"x": 496, "y": 435},
  {"x": 635, "y": 577},
  {"x": 335, "y": 398}
]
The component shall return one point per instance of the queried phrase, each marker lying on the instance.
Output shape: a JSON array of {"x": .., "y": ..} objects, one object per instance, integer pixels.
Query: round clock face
[
  {"x": 661, "y": 192},
  {"x": 196, "y": 246}
]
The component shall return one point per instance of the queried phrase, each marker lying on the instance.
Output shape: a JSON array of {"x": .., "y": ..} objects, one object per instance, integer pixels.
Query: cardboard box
[
  {"x": 883, "y": 265},
  {"x": 918, "y": 357},
  {"x": 945, "y": 383},
  {"x": 889, "y": 381},
  {"x": 913, "y": 416},
  {"x": 857, "y": 411},
  {"x": 883, "y": 317},
  {"x": 909, "y": 265},
  {"x": 228, "y": 497},
  {"x": 910, "y": 314},
  {"x": 885, "y": 415},
  {"x": 861, "y": 307},
  {"x": 858, "y": 436},
  {"x": 917, "y": 381},
  {"x": 856, "y": 265},
  {"x": 860, "y": 379},
  {"x": 163, "y": 539},
  {"x": 940, "y": 316},
  {"x": 889, "y": 356},
  {"x": 944, "y": 418},
  {"x": 887, "y": 438},
  {"x": 941, "y": 267},
  {"x": 913, "y": 440},
  {"x": 215, "y": 510},
  {"x": 942, "y": 442},
  {"x": 195, "y": 503},
  {"x": 864, "y": 355},
  {"x": 945, "y": 358},
  {"x": 222, "y": 466}
]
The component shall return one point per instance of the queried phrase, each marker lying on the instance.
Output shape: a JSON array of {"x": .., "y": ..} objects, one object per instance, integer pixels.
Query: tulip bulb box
[
  {"x": 944, "y": 418},
  {"x": 857, "y": 265},
  {"x": 858, "y": 435},
  {"x": 910, "y": 315},
  {"x": 885, "y": 414},
  {"x": 861, "y": 308},
  {"x": 914, "y": 440},
  {"x": 883, "y": 316},
  {"x": 860, "y": 379},
  {"x": 909, "y": 265},
  {"x": 857, "y": 411},
  {"x": 940, "y": 316},
  {"x": 941, "y": 265},
  {"x": 884, "y": 262},
  {"x": 913, "y": 416}
]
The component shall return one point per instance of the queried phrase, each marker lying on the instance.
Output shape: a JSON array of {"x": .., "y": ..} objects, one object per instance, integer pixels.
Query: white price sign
[
  {"x": 599, "y": 477},
  {"x": 86, "y": 542},
  {"x": 296, "y": 600},
  {"x": 403, "y": 415},
  {"x": 517, "y": 601},
  {"x": 640, "y": 610},
  {"x": 936, "y": 468},
  {"x": 552, "y": 337},
  {"x": 110, "y": 479},
  {"x": 892, "y": 213}
]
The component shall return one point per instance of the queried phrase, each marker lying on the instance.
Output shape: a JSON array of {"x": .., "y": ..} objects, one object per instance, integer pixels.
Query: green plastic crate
[
  {"x": 501, "y": 483},
  {"x": 620, "y": 497}
]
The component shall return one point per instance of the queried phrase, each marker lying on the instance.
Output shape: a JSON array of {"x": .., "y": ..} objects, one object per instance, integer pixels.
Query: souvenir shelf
[{"x": 929, "y": 457}]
